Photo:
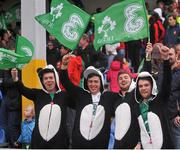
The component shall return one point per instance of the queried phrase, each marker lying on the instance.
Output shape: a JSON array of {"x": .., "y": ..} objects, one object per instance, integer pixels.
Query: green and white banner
[
  {"x": 22, "y": 56},
  {"x": 124, "y": 21},
  {"x": 66, "y": 22},
  {"x": 2, "y": 22},
  {"x": 13, "y": 14}
]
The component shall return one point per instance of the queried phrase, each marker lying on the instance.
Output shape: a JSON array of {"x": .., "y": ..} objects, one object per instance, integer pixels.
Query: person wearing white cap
[{"x": 94, "y": 108}]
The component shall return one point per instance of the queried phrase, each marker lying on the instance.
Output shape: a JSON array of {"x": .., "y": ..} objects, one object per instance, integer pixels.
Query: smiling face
[
  {"x": 49, "y": 82},
  {"x": 145, "y": 89},
  {"x": 124, "y": 81},
  {"x": 94, "y": 84}
]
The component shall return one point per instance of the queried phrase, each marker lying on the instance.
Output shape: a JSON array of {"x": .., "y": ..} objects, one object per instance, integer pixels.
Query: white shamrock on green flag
[
  {"x": 107, "y": 24},
  {"x": 56, "y": 11},
  {"x": 123, "y": 21},
  {"x": 66, "y": 22}
]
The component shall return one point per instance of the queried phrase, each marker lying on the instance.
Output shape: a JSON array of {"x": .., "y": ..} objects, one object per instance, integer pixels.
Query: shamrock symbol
[
  {"x": 107, "y": 24},
  {"x": 56, "y": 11}
]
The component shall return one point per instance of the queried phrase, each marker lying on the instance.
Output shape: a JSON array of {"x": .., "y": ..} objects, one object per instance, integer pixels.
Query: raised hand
[{"x": 164, "y": 50}]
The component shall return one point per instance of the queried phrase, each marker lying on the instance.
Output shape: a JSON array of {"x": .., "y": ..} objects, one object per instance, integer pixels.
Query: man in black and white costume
[
  {"x": 50, "y": 109},
  {"x": 149, "y": 107},
  {"x": 94, "y": 108}
]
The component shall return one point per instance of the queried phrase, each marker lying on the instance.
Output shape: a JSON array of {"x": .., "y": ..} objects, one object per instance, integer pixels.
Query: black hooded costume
[
  {"x": 158, "y": 136},
  {"x": 50, "y": 114},
  {"x": 92, "y": 128}
]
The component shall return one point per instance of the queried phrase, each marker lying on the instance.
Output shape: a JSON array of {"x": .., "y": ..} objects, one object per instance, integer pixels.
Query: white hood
[
  {"x": 90, "y": 70},
  {"x": 49, "y": 67},
  {"x": 154, "y": 86}
]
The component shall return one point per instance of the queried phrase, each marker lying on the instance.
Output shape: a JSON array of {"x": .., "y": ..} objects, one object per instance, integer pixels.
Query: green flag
[
  {"x": 25, "y": 48},
  {"x": 13, "y": 13},
  {"x": 66, "y": 22},
  {"x": 8, "y": 59},
  {"x": 2, "y": 22},
  {"x": 23, "y": 55},
  {"x": 124, "y": 21}
]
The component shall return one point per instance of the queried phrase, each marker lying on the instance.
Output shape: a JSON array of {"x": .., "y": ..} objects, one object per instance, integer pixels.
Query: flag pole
[
  {"x": 148, "y": 56},
  {"x": 147, "y": 22}
]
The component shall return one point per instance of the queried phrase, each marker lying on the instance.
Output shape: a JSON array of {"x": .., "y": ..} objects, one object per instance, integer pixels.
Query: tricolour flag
[
  {"x": 124, "y": 21},
  {"x": 66, "y": 22}
]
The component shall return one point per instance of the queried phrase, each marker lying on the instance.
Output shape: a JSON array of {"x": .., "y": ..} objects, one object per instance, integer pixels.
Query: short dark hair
[
  {"x": 171, "y": 15},
  {"x": 92, "y": 75},
  {"x": 122, "y": 71},
  {"x": 146, "y": 78}
]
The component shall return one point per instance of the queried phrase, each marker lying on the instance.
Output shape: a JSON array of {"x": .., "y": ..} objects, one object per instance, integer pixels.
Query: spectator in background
[
  {"x": 52, "y": 55},
  {"x": 174, "y": 99},
  {"x": 111, "y": 52},
  {"x": 121, "y": 50},
  {"x": 27, "y": 127},
  {"x": 4, "y": 39},
  {"x": 112, "y": 74},
  {"x": 172, "y": 36},
  {"x": 55, "y": 41},
  {"x": 157, "y": 30},
  {"x": 89, "y": 56},
  {"x": 11, "y": 108}
]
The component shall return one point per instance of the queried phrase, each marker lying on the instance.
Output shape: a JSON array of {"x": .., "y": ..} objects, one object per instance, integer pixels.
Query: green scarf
[{"x": 144, "y": 107}]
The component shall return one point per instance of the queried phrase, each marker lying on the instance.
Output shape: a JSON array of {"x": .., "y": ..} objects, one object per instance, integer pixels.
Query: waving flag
[
  {"x": 124, "y": 21},
  {"x": 25, "y": 48},
  {"x": 23, "y": 55},
  {"x": 2, "y": 22},
  {"x": 13, "y": 13},
  {"x": 66, "y": 22}
]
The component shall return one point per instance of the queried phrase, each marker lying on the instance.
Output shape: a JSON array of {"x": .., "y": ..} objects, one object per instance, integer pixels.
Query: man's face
[
  {"x": 49, "y": 82},
  {"x": 124, "y": 81},
  {"x": 172, "y": 56},
  {"x": 83, "y": 43},
  {"x": 94, "y": 84},
  {"x": 63, "y": 51},
  {"x": 145, "y": 88},
  {"x": 171, "y": 21},
  {"x": 50, "y": 46}
]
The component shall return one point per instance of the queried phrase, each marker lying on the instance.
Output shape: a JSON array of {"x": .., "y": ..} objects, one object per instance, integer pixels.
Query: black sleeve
[
  {"x": 25, "y": 91},
  {"x": 147, "y": 66},
  {"x": 166, "y": 83},
  {"x": 8, "y": 81},
  {"x": 72, "y": 90},
  {"x": 174, "y": 99}
]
